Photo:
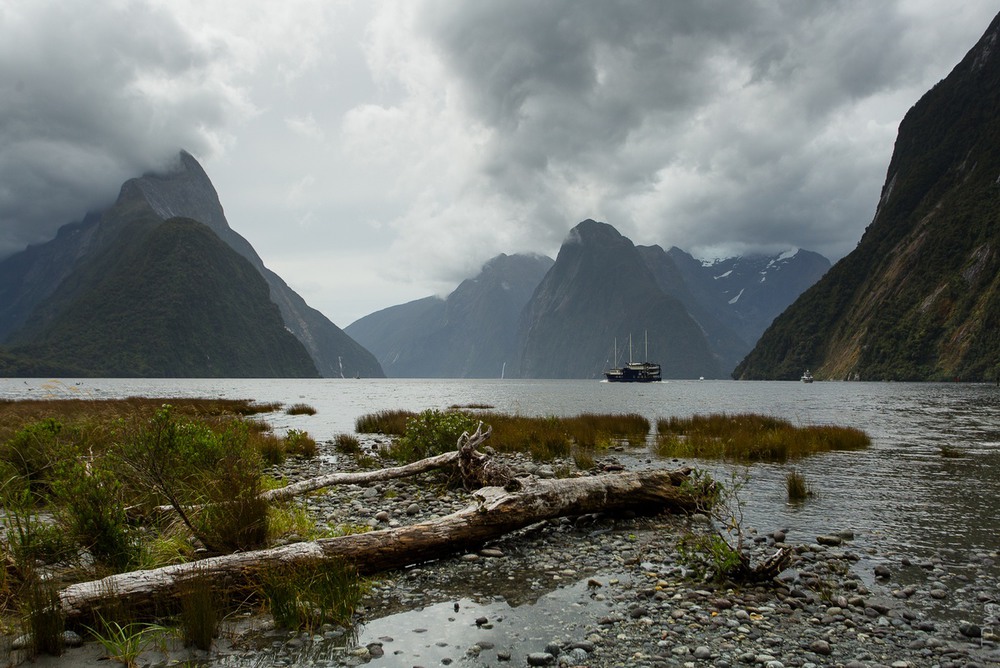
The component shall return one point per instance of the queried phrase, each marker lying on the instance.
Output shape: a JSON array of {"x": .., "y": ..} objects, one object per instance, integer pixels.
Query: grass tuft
[
  {"x": 300, "y": 409},
  {"x": 347, "y": 443},
  {"x": 796, "y": 486},
  {"x": 306, "y": 596},
  {"x": 390, "y": 422}
]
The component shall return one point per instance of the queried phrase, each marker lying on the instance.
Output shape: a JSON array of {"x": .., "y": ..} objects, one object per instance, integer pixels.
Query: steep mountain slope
[
  {"x": 163, "y": 299},
  {"x": 27, "y": 279},
  {"x": 919, "y": 298},
  {"x": 470, "y": 334},
  {"x": 598, "y": 291}
]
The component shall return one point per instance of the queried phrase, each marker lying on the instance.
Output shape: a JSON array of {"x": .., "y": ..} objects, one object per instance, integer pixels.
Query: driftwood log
[{"x": 495, "y": 512}]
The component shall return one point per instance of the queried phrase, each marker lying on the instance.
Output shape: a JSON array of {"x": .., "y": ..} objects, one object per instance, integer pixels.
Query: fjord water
[{"x": 902, "y": 495}]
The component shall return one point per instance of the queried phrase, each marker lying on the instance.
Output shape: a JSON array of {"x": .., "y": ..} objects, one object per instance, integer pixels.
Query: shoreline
[{"x": 601, "y": 592}]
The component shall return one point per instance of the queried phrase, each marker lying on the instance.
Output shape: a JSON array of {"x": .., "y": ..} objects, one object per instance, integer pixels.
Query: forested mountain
[
  {"x": 35, "y": 284},
  {"x": 163, "y": 299},
  {"x": 919, "y": 298}
]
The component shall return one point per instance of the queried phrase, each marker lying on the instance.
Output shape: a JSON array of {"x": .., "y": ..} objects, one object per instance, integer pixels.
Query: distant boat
[
  {"x": 633, "y": 372},
  {"x": 807, "y": 377}
]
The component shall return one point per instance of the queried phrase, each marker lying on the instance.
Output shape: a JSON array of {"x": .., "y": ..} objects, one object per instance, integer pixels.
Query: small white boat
[{"x": 807, "y": 377}]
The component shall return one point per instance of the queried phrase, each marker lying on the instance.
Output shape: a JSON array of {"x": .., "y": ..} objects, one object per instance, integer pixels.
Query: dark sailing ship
[{"x": 633, "y": 372}]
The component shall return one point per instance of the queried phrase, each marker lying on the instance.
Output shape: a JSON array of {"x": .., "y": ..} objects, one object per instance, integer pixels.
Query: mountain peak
[{"x": 182, "y": 190}]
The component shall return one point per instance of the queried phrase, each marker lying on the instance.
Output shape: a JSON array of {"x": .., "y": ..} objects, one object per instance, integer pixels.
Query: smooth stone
[
  {"x": 882, "y": 572},
  {"x": 820, "y": 647},
  {"x": 830, "y": 540},
  {"x": 540, "y": 659},
  {"x": 702, "y": 652}
]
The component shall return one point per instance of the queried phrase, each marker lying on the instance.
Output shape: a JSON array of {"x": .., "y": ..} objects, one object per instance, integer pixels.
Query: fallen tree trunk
[
  {"x": 362, "y": 477},
  {"x": 442, "y": 461},
  {"x": 496, "y": 511}
]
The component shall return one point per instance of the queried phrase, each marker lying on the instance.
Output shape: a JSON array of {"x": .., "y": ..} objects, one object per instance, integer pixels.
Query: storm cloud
[{"x": 375, "y": 152}]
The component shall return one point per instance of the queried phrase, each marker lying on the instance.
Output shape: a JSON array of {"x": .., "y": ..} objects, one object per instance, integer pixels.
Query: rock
[
  {"x": 413, "y": 509},
  {"x": 702, "y": 652},
  {"x": 970, "y": 630},
  {"x": 382, "y": 516},
  {"x": 72, "y": 639},
  {"x": 883, "y": 572},
  {"x": 638, "y": 612},
  {"x": 491, "y": 552},
  {"x": 540, "y": 659},
  {"x": 830, "y": 540},
  {"x": 820, "y": 647}
]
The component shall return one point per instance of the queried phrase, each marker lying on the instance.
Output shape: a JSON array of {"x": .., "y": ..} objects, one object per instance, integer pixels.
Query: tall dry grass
[{"x": 751, "y": 438}]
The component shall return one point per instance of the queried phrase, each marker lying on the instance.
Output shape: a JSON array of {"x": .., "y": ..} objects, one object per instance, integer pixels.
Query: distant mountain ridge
[
  {"x": 31, "y": 279},
  {"x": 470, "y": 334},
  {"x": 561, "y": 319},
  {"x": 919, "y": 297}
]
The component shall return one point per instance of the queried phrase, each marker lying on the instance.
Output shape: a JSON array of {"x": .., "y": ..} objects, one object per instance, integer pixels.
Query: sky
[{"x": 375, "y": 152}]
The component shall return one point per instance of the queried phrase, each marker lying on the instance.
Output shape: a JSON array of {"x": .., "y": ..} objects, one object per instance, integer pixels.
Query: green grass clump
[
  {"x": 306, "y": 596},
  {"x": 300, "y": 409},
  {"x": 199, "y": 612},
  {"x": 43, "y": 617},
  {"x": 751, "y": 438},
  {"x": 124, "y": 643}
]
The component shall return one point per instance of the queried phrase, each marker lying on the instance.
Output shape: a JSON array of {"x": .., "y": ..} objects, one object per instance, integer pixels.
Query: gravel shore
[
  {"x": 600, "y": 592},
  {"x": 603, "y": 592}
]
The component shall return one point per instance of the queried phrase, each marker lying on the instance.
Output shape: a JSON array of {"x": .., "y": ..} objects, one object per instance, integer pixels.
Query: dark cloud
[
  {"x": 91, "y": 94},
  {"x": 642, "y": 96}
]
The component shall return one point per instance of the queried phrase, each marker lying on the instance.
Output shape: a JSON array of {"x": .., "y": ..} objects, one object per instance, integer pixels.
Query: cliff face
[
  {"x": 919, "y": 298},
  {"x": 600, "y": 291},
  {"x": 184, "y": 191}
]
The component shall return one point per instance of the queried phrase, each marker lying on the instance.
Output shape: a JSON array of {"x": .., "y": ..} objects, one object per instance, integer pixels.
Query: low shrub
[
  {"x": 300, "y": 444},
  {"x": 432, "y": 432},
  {"x": 92, "y": 508}
]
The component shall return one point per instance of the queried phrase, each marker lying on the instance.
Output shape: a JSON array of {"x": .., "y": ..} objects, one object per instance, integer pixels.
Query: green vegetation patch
[{"x": 751, "y": 438}]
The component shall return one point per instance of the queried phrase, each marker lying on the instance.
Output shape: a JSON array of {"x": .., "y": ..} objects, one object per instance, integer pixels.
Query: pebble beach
[{"x": 602, "y": 592}]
